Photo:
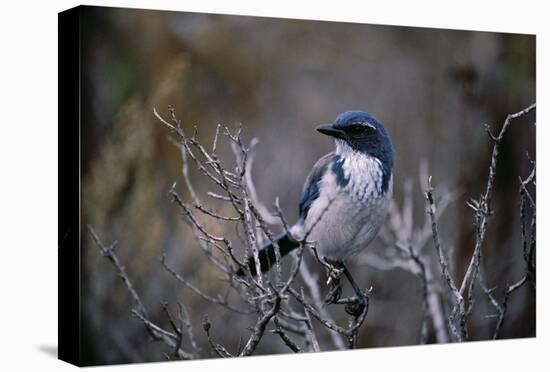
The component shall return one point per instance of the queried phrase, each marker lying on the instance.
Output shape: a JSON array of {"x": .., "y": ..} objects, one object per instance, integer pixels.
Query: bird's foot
[
  {"x": 335, "y": 283},
  {"x": 335, "y": 293},
  {"x": 357, "y": 306}
]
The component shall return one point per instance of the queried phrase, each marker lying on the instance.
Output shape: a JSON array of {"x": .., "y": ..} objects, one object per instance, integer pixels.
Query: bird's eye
[{"x": 356, "y": 129}]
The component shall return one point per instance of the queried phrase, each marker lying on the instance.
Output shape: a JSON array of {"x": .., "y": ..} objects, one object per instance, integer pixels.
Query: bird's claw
[
  {"x": 335, "y": 293},
  {"x": 356, "y": 307}
]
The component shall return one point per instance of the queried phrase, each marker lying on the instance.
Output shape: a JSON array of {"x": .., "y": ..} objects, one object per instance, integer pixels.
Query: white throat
[{"x": 364, "y": 171}]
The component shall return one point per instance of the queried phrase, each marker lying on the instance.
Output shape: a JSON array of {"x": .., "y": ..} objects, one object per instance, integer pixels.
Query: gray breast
[{"x": 351, "y": 215}]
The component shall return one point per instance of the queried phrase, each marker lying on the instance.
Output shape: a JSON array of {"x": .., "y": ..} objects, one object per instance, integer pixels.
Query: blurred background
[{"x": 433, "y": 89}]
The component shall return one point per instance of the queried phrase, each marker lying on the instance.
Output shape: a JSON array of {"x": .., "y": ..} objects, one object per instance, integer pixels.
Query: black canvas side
[{"x": 69, "y": 186}]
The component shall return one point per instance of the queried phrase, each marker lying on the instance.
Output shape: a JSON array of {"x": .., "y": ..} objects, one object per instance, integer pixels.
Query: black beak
[{"x": 329, "y": 130}]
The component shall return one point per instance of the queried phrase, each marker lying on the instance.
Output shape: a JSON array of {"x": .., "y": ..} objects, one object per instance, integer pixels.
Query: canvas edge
[{"x": 69, "y": 325}]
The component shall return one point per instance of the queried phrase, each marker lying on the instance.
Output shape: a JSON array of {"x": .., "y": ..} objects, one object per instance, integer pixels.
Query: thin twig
[
  {"x": 459, "y": 300},
  {"x": 284, "y": 337},
  {"x": 259, "y": 328},
  {"x": 155, "y": 331}
]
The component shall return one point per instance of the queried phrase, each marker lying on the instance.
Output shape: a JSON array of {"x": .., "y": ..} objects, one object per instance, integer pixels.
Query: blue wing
[
  {"x": 286, "y": 244},
  {"x": 311, "y": 186}
]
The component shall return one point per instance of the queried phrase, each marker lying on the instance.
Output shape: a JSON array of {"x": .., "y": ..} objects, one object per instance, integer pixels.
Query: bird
[{"x": 344, "y": 201}]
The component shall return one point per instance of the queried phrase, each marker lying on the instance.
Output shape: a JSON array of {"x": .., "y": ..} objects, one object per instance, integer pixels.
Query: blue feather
[
  {"x": 311, "y": 187},
  {"x": 338, "y": 169}
]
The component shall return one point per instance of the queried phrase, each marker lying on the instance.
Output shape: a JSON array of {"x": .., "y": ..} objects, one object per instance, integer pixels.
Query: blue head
[{"x": 363, "y": 133}]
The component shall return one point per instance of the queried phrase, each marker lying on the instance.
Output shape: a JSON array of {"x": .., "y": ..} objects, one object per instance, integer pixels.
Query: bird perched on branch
[{"x": 344, "y": 201}]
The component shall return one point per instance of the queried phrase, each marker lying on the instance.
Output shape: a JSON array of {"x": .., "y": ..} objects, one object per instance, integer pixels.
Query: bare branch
[
  {"x": 309, "y": 326},
  {"x": 284, "y": 337},
  {"x": 109, "y": 253},
  {"x": 482, "y": 211},
  {"x": 218, "y": 349},
  {"x": 458, "y": 308},
  {"x": 186, "y": 323},
  {"x": 214, "y": 300},
  {"x": 259, "y": 328},
  {"x": 155, "y": 331},
  {"x": 504, "y": 304}
]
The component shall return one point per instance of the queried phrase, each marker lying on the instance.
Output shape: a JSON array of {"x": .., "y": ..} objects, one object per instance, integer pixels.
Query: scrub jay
[{"x": 345, "y": 199}]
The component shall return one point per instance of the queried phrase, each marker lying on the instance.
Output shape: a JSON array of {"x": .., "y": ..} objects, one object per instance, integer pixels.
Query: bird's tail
[{"x": 267, "y": 253}]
